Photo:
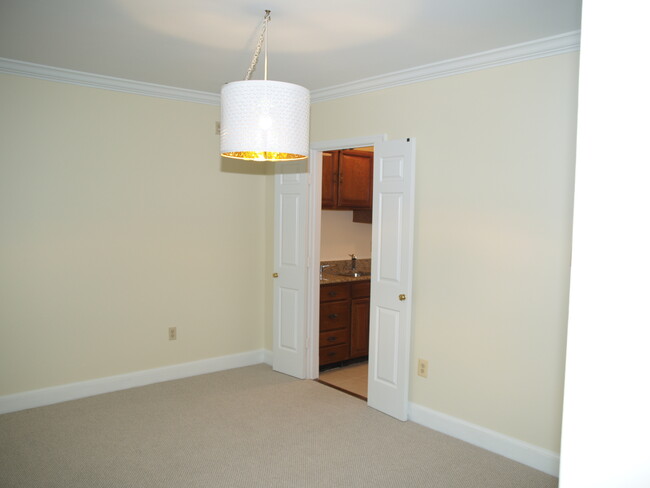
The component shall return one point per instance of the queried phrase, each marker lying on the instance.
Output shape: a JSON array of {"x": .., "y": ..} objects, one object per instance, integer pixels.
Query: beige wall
[
  {"x": 495, "y": 163},
  {"x": 340, "y": 236},
  {"x": 117, "y": 221}
]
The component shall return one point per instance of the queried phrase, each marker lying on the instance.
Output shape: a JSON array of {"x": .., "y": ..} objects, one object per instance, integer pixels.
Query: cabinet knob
[
  {"x": 402, "y": 297},
  {"x": 332, "y": 293},
  {"x": 275, "y": 275},
  {"x": 333, "y": 316},
  {"x": 331, "y": 339}
]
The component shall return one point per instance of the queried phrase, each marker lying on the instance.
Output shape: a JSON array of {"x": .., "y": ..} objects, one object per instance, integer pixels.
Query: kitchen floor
[{"x": 352, "y": 379}]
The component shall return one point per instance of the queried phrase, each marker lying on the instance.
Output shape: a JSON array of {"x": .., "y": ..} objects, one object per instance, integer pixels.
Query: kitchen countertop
[{"x": 331, "y": 276}]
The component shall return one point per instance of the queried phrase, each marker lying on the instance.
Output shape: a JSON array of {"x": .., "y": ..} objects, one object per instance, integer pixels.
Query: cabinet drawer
[
  {"x": 360, "y": 289},
  {"x": 335, "y": 315},
  {"x": 334, "y": 337},
  {"x": 329, "y": 293},
  {"x": 333, "y": 354}
]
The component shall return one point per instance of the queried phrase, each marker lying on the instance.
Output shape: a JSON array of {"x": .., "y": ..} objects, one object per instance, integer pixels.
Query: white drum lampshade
[{"x": 264, "y": 120}]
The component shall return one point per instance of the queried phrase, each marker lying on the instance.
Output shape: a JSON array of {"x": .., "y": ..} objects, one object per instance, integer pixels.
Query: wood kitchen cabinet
[
  {"x": 334, "y": 337},
  {"x": 330, "y": 185},
  {"x": 347, "y": 179},
  {"x": 359, "y": 318},
  {"x": 344, "y": 321}
]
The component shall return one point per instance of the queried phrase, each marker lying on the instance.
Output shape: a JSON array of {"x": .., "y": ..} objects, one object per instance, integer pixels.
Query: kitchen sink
[{"x": 354, "y": 274}]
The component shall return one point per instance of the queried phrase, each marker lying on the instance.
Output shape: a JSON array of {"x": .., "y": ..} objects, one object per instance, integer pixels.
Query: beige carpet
[{"x": 247, "y": 427}]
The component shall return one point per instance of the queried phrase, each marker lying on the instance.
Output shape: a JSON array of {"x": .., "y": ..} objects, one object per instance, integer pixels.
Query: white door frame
[{"x": 313, "y": 240}]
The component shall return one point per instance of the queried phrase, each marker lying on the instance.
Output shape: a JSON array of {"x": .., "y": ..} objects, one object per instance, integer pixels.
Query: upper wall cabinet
[
  {"x": 330, "y": 190},
  {"x": 347, "y": 179}
]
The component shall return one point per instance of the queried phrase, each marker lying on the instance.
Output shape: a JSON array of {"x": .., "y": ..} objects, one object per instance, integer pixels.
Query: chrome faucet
[
  {"x": 322, "y": 267},
  {"x": 353, "y": 258}
]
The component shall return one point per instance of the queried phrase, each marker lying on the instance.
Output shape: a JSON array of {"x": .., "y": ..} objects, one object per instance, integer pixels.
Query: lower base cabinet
[
  {"x": 359, "y": 327},
  {"x": 344, "y": 321}
]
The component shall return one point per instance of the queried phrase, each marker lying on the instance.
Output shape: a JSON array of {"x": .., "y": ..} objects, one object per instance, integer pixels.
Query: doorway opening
[
  {"x": 344, "y": 269},
  {"x": 350, "y": 378},
  {"x": 297, "y": 288}
]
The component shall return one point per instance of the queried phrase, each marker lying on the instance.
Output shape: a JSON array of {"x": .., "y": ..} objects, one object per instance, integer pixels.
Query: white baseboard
[
  {"x": 268, "y": 357},
  {"x": 72, "y": 391},
  {"x": 522, "y": 452}
]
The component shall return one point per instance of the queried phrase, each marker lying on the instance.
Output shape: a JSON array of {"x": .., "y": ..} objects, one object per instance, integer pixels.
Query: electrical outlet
[
  {"x": 172, "y": 333},
  {"x": 423, "y": 368}
]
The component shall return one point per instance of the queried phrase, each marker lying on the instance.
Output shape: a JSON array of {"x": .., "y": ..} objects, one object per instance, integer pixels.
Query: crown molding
[
  {"x": 548, "y": 46},
  {"x": 32, "y": 70}
]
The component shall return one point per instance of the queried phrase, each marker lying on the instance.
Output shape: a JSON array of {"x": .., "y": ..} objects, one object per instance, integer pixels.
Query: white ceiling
[{"x": 202, "y": 44}]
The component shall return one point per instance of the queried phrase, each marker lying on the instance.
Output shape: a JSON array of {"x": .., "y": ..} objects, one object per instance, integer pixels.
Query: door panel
[
  {"x": 387, "y": 337},
  {"x": 288, "y": 319},
  {"x": 289, "y": 222},
  {"x": 390, "y": 238},
  {"x": 391, "y": 278},
  {"x": 290, "y": 265}
]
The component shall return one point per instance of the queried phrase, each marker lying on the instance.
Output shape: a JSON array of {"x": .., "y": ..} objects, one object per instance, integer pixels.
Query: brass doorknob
[
  {"x": 402, "y": 297},
  {"x": 275, "y": 275}
]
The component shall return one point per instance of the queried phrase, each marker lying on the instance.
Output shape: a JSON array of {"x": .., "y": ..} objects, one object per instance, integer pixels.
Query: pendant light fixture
[{"x": 263, "y": 120}]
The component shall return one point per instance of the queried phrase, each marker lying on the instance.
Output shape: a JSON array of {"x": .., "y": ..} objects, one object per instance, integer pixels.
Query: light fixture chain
[{"x": 258, "y": 49}]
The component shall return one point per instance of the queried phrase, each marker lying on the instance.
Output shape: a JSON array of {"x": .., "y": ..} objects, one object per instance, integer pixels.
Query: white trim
[
  {"x": 526, "y": 51},
  {"x": 528, "y": 454},
  {"x": 522, "y": 452},
  {"x": 363, "y": 141},
  {"x": 268, "y": 357},
  {"x": 548, "y": 46},
  {"x": 50, "y": 73},
  {"x": 313, "y": 231},
  {"x": 73, "y": 391},
  {"x": 314, "y": 199}
]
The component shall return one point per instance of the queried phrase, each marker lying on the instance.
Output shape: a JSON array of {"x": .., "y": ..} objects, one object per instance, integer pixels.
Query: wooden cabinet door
[
  {"x": 330, "y": 181},
  {"x": 355, "y": 179},
  {"x": 359, "y": 327}
]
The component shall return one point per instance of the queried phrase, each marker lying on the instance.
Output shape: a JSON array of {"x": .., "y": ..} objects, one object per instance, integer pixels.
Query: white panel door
[
  {"x": 391, "y": 277},
  {"x": 290, "y": 266}
]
